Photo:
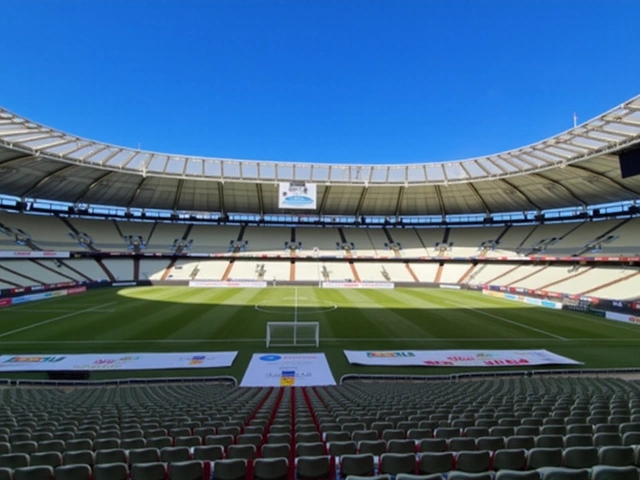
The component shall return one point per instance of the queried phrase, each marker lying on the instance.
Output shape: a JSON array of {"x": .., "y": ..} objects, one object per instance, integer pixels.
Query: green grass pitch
[{"x": 181, "y": 319}]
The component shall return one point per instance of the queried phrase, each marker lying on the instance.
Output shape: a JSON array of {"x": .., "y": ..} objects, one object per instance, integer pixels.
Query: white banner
[
  {"x": 622, "y": 317},
  {"x": 457, "y": 358},
  {"x": 357, "y": 285},
  {"x": 297, "y": 195},
  {"x": 34, "y": 254},
  {"x": 288, "y": 370},
  {"x": 115, "y": 361},
  {"x": 229, "y": 284}
]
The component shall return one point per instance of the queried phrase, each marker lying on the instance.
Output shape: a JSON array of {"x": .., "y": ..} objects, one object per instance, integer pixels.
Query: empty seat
[
  {"x": 616, "y": 456},
  {"x": 435, "y": 462},
  {"x": 507, "y": 459},
  {"x": 433, "y": 445},
  {"x": 208, "y": 452},
  {"x": 188, "y": 470},
  {"x": 315, "y": 449},
  {"x": 73, "y": 472},
  {"x": 459, "y": 444},
  {"x": 605, "y": 472},
  {"x": 149, "y": 471},
  {"x": 338, "y": 449},
  {"x": 403, "y": 446},
  {"x": 111, "y": 471},
  {"x": 312, "y": 468},
  {"x": 395, "y": 463},
  {"x": 229, "y": 469},
  {"x": 474, "y": 462},
  {"x": 376, "y": 448},
  {"x": 41, "y": 472},
  {"x": 51, "y": 459},
  {"x": 112, "y": 455},
  {"x": 270, "y": 469},
  {"x": 360, "y": 465},
  {"x": 174, "y": 454},
  {"x": 14, "y": 460},
  {"x": 580, "y": 457},
  {"x": 144, "y": 455},
  {"x": 544, "y": 457},
  {"x": 245, "y": 452},
  {"x": 276, "y": 450}
]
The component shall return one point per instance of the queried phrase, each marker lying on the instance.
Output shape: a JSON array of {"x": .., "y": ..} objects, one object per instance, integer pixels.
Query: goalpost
[{"x": 293, "y": 334}]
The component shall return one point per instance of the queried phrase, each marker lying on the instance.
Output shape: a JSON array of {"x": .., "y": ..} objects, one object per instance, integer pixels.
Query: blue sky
[{"x": 362, "y": 81}]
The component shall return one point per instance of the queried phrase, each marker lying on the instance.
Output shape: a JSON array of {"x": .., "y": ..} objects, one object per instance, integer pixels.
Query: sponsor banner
[
  {"x": 457, "y": 358},
  {"x": 73, "y": 291},
  {"x": 5, "y": 302},
  {"x": 34, "y": 254},
  {"x": 118, "y": 361},
  {"x": 621, "y": 317},
  {"x": 124, "y": 284},
  {"x": 358, "y": 285},
  {"x": 521, "y": 298},
  {"x": 452, "y": 287},
  {"x": 297, "y": 196},
  {"x": 229, "y": 284},
  {"x": 288, "y": 370}
]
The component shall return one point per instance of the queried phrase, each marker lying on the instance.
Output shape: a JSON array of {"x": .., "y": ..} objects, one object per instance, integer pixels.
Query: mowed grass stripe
[{"x": 457, "y": 318}]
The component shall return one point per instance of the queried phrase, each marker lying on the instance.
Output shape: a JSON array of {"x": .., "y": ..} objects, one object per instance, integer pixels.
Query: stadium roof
[{"x": 576, "y": 168}]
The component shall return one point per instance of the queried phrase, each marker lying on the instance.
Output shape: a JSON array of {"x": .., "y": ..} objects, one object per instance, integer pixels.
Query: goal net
[{"x": 293, "y": 334}]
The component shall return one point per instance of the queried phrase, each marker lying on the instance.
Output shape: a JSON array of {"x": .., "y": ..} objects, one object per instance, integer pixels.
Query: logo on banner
[
  {"x": 287, "y": 378},
  {"x": 34, "y": 359},
  {"x": 197, "y": 360},
  {"x": 390, "y": 354},
  {"x": 270, "y": 358}
]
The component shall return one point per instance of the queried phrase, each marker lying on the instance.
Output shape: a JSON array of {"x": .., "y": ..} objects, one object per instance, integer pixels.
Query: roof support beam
[
  {"x": 562, "y": 187},
  {"x": 260, "y": 199},
  {"x": 137, "y": 191},
  {"x": 223, "y": 208},
  {"x": 92, "y": 185},
  {"x": 521, "y": 194},
  {"x": 323, "y": 202},
  {"x": 399, "y": 200},
  {"x": 361, "y": 201},
  {"x": 20, "y": 158},
  {"x": 606, "y": 179},
  {"x": 27, "y": 193},
  {"x": 479, "y": 198},
  {"x": 176, "y": 200},
  {"x": 443, "y": 211}
]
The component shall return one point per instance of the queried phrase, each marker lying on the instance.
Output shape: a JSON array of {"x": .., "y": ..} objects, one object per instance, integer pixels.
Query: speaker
[
  {"x": 630, "y": 162},
  {"x": 69, "y": 375}
]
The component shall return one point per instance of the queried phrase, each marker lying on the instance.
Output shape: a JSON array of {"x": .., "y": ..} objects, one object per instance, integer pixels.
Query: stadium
[{"x": 140, "y": 289}]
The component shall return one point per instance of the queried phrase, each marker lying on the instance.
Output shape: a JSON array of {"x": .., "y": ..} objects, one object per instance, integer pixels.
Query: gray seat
[
  {"x": 189, "y": 470},
  {"x": 544, "y": 457},
  {"x": 73, "y": 472},
  {"x": 50, "y": 459},
  {"x": 395, "y": 463},
  {"x": 40, "y": 472},
  {"x": 208, "y": 452},
  {"x": 606, "y": 472},
  {"x": 230, "y": 469},
  {"x": 79, "y": 457},
  {"x": 506, "y": 459},
  {"x": 144, "y": 455},
  {"x": 359, "y": 464},
  {"x": 149, "y": 471},
  {"x": 474, "y": 462},
  {"x": 270, "y": 469},
  {"x": 435, "y": 462},
  {"x": 313, "y": 468}
]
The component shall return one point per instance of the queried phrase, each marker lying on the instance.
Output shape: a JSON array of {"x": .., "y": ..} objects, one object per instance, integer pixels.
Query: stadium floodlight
[{"x": 293, "y": 334}]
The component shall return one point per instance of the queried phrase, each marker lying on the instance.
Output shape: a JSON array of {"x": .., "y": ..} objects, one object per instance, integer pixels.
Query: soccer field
[{"x": 181, "y": 319}]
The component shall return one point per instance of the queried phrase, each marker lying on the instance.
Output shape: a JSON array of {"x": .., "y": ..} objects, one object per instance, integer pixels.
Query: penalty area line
[{"x": 54, "y": 319}]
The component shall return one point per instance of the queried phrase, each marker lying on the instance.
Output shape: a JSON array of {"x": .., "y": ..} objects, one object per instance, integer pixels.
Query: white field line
[
  {"x": 52, "y": 311},
  {"x": 54, "y": 319},
  {"x": 323, "y": 340},
  {"x": 497, "y": 317}
]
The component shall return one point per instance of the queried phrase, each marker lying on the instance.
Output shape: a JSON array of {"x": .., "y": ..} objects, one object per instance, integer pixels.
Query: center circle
[{"x": 272, "y": 306}]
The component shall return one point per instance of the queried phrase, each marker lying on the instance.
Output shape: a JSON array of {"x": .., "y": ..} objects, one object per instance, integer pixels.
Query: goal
[{"x": 293, "y": 334}]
